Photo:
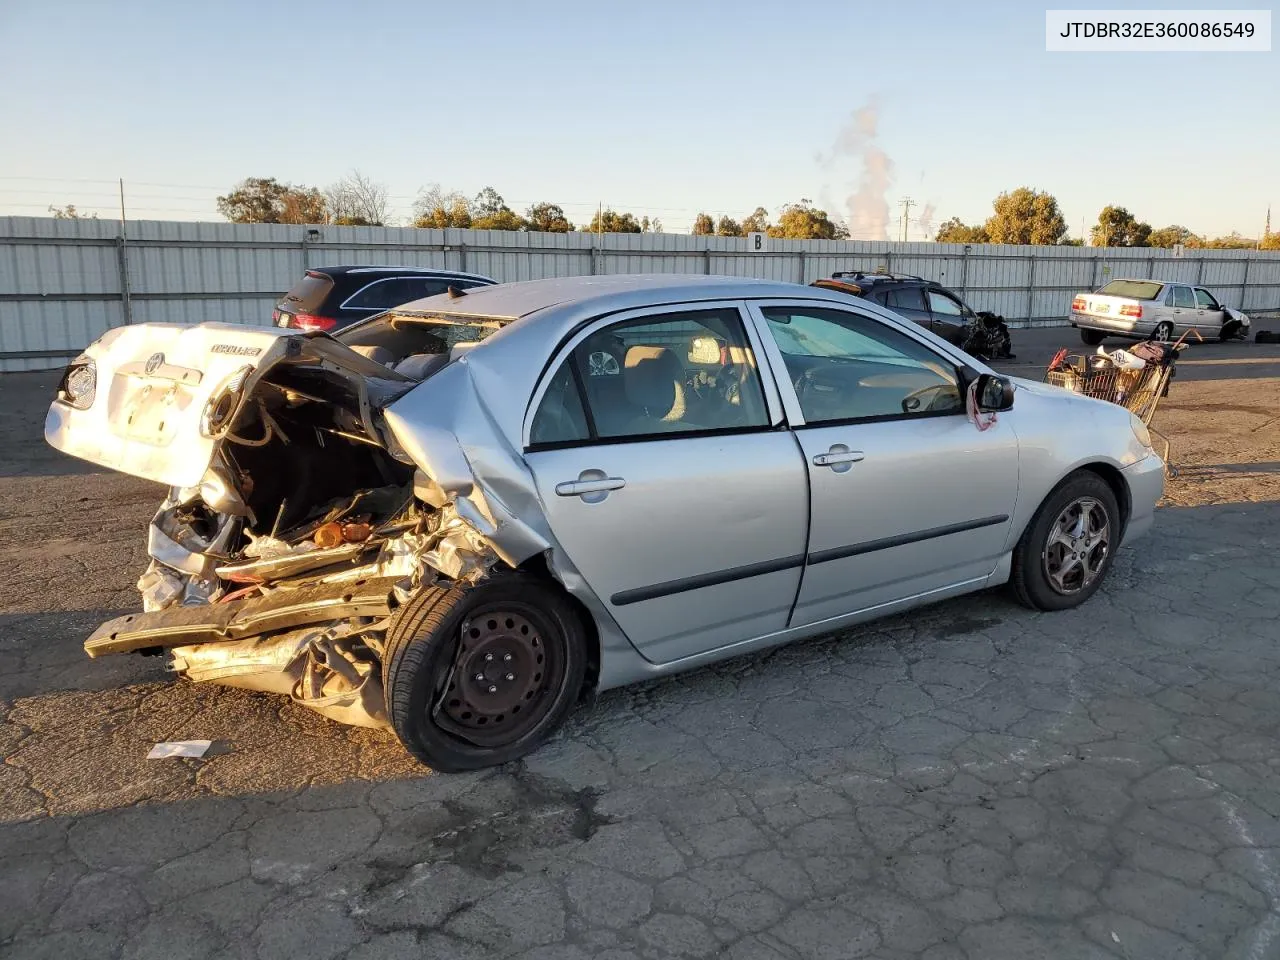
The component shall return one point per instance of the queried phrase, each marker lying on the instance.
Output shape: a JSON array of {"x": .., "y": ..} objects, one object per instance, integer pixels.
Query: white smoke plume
[
  {"x": 868, "y": 205},
  {"x": 926, "y": 221}
]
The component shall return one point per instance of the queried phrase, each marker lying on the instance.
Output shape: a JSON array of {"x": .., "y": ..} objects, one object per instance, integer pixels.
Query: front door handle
[
  {"x": 838, "y": 458},
  {"x": 586, "y": 487}
]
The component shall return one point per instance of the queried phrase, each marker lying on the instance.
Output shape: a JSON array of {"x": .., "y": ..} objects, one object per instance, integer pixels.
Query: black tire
[
  {"x": 1163, "y": 332},
  {"x": 1030, "y": 577},
  {"x": 1230, "y": 331},
  {"x": 425, "y": 648},
  {"x": 1092, "y": 337}
]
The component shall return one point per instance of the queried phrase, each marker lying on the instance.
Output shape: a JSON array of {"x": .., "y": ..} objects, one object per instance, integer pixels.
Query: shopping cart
[{"x": 1136, "y": 379}]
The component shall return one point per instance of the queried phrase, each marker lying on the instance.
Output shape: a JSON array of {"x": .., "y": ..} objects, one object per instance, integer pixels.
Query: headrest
[
  {"x": 654, "y": 379},
  {"x": 419, "y": 366}
]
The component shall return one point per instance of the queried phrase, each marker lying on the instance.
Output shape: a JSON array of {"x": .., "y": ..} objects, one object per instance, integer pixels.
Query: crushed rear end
[{"x": 294, "y": 522}]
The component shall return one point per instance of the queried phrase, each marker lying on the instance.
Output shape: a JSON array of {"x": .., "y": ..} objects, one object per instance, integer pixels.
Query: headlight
[
  {"x": 221, "y": 410},
  {"x": 1140, "y": 430},
  {"x": 79, "y": 384}
]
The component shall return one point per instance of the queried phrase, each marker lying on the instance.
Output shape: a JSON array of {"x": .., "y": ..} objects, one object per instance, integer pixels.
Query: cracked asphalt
[{"x": 969, "y": 781}]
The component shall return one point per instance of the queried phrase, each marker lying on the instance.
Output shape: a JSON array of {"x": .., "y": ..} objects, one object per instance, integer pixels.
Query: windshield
[{"x": 1136, "y": 289}]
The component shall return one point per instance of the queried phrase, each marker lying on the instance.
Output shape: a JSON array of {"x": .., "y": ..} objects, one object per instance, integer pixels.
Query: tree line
[
  {"x": 1028, "y": 216},
  {"x": 1021, "y": 216}
]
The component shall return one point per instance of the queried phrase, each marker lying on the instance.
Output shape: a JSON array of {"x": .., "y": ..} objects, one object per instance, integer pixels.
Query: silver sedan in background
[
  {"x": 1153, "y": 309},
  {"x": 457, "y": 517}
]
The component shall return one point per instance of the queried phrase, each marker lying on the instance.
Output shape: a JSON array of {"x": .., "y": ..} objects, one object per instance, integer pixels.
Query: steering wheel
[{"x": 923, "y": 400}]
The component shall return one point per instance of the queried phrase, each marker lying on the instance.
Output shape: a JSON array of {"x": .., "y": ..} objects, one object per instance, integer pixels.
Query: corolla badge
[{"x": 154, "y": 362}]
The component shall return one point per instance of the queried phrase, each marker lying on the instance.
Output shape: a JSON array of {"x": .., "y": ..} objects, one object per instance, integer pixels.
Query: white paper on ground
[{"x": 179, "y": 748}]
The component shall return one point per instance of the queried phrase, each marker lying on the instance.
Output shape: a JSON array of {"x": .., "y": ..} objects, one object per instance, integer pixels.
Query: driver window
[
  {"x": 666, "y": 374},
  {"x": 845, "y": 366},
  {"x": 1205, "y": 301}
]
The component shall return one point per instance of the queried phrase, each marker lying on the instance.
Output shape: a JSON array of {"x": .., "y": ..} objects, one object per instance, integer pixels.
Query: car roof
[
  {"x": 342, "y": 270},
  {"x": 612, "y": 292}
]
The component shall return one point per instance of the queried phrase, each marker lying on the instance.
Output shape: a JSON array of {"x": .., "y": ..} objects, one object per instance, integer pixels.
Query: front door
[
  {"x": 948, "y": 316},
  {"x": 1209, "y": 313},
  {"x": 908, "y": 497},
  {"x": 665, "y": 475}
]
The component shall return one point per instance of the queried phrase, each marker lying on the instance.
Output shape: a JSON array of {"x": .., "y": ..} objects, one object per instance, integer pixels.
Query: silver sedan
[{"x": 458, "y": 517}]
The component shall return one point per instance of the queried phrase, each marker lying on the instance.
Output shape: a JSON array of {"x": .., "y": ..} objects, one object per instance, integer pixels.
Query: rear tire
[
  {"x": 478, "y": 676},
  {"x": 1163, "y": 332},
  {"x": 1092, "y": 337},
  {"x": 1066, "y": 551}
]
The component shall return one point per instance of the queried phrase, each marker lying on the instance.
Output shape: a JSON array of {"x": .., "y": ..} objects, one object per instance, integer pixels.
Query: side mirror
[{"x": 995, "y": 394}]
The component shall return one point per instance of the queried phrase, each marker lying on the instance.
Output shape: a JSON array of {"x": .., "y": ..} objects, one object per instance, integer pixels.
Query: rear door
[
  {"x": 908, "y": 498},
  {"x": 910, "y": 303},
  {"x": 1183, "y": 311},
  {"x": 659, "y": 456}
]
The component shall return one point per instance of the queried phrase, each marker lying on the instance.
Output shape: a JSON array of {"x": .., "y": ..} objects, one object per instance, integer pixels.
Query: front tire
[
  {"x": 479, "y": 676},
  {"x": 1066, "y": 551},
  {"x": 1092, "y": 337}
]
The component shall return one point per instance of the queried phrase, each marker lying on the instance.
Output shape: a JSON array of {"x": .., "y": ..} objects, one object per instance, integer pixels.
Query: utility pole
[
  {"x": 907, "y": 204},
  {"x": 123, "y": 231}
]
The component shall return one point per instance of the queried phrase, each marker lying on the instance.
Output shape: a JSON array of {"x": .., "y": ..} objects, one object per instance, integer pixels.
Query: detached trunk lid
[{"x": 155, "y": 382}]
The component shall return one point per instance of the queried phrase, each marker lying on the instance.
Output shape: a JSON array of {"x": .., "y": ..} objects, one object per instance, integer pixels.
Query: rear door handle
[
  {"x": 578, "y": 488},
  {"x": 835, "y": 458}
]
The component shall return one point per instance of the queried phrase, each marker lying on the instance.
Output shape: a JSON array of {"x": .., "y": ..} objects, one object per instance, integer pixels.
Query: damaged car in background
[{"x": 459, "y": 517}]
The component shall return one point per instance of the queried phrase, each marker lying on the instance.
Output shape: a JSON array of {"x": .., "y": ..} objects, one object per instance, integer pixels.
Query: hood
[{"x": 159, "y": 387}]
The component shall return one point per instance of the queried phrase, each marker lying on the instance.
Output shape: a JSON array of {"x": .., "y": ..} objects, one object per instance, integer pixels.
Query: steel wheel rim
[
  {"x": 502, "y": 678},
  {"x": 1078, "y": 545}
]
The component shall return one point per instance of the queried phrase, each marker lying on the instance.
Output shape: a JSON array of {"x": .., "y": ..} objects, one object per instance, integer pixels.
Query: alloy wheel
[{"x": 1078, "y": 545}]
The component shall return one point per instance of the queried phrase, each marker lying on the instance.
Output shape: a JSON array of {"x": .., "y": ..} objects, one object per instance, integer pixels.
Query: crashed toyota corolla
[{"x": 459, "y": 517}]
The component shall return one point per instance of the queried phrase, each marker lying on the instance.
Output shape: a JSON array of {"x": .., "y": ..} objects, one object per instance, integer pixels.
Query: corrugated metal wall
[{"x": 62, "y": 281}]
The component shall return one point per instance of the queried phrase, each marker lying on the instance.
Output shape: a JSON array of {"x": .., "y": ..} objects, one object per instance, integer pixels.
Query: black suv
[
  {"x": 330, "y": 298},
  {"x": 931, "y": 305}
]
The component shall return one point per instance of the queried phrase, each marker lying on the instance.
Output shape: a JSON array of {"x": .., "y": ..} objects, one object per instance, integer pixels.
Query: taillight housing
[
  {"x": 79, "y": 384},
  {"x": 275, "y": 316},
  {"x": 1079, "y": 303},
  {"x": 309, "y": 321},
  {"x": 1130, "y": 310}
]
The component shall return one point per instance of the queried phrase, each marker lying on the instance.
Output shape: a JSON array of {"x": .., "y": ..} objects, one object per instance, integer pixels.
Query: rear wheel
[
  {"x": 1092, "y": 337},
  {"x": 1066, "y": 550},
  {"x": 476, "y": 677},
  {"x": 1163, "y": 331}
]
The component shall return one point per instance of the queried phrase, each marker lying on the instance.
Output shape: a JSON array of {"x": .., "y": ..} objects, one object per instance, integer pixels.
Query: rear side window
[
  {"x": 906, "y": 298},
  {"x": 394, "y": 291},
  {"x": 1137, "y": 289},
  {"x": 668, "y": 374},
  {"x": 309, "y": 293}
]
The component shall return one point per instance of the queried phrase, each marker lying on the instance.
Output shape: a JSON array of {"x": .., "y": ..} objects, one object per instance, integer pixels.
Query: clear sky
[{"x": 657, "y": 107}]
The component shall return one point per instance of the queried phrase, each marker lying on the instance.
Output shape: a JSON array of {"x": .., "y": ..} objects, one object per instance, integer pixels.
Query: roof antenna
[{"x": 455, "y": 293}]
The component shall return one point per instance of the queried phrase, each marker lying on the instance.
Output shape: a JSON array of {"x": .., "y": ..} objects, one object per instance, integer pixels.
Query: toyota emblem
[{"x": 154, "y": 362}]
